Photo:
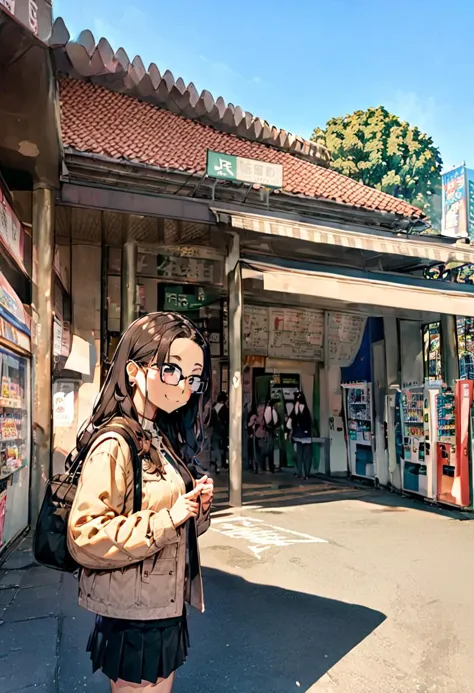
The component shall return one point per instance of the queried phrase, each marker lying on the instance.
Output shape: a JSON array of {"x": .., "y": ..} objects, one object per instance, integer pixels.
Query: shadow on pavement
[
  {"x": 282, "y": 491},
  {"x": 256, "y": 638}
]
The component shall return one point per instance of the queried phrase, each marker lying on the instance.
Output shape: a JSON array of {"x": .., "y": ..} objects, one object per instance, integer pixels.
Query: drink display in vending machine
[
  {"x": 453, "y": 472},
  {"x": 465, "y": 336}
]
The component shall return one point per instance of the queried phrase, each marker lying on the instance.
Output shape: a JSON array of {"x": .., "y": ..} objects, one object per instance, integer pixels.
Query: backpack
[
  {"x": 271, "y": 426},
  {"x": 50, "y": 543}
]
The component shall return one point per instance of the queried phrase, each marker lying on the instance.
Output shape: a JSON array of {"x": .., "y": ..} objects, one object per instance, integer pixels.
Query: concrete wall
[
  {"x": 411, "y": 353},
  {"x": 85, "y": 296}
]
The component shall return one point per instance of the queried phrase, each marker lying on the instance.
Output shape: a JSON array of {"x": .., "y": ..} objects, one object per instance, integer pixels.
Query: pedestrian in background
[
  {"x": 220, "y": 432},
  {"x": 300, "y": 425},
  {"x": 264, "y": 424}
]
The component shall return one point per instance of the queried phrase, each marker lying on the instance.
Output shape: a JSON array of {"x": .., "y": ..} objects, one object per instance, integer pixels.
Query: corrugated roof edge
[{"x": 84, "y": 59}]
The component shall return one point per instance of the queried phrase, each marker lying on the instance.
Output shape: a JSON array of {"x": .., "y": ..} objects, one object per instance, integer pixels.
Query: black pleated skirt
[{"x": 137, "y": 651}]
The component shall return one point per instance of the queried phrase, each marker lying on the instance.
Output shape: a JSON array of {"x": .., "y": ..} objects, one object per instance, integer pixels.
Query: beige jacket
[{"x": 134, "y": 564}]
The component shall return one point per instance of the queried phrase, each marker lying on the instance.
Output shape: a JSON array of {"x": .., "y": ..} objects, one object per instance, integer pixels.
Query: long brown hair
[{"x": 147, "y": 341}]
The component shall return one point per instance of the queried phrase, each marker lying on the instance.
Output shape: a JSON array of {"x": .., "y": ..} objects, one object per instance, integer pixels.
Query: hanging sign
[
  {"x": 189, "y": 269},
  {"x": 225, "y": 329},
  {"x": 11, "y": 230},
  {"x": 66, "y": 339},
  {"x": 236, "y": 168},
  {"x": 57, "y": 337},
  {"x": 344, "y": 334},
  {"x": 177, "y": 298},
  {"x": 454, "y": 219}
]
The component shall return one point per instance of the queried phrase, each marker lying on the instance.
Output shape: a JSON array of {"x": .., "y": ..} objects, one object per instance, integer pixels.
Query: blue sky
[{"x": 298, "y": 63}]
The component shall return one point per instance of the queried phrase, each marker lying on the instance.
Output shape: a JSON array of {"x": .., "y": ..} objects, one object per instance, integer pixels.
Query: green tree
[{"x": 378, "y": 149}]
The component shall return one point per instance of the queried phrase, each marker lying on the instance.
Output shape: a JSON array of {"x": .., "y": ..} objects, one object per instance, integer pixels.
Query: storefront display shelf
[
  {"x": 11, "y": 404},
  {"x": 11, "y": 440},
  {"x": 5, "y": 475}
]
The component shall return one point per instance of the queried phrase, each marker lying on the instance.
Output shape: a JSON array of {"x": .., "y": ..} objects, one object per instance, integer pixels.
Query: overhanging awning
[
  {"x": 384, "y": 243},
  {"x": 372, "y": 289},
  {"x": 34, "y": 15}
]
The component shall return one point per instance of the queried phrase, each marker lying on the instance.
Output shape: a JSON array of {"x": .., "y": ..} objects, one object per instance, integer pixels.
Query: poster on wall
[
  {"x": 296, "y": 334},
  {"x": 344, "y": 333},
  {"x": 255, "y": 330},
  {"x": 454, "y": 200},
  {"x": 63, "y": 405}
]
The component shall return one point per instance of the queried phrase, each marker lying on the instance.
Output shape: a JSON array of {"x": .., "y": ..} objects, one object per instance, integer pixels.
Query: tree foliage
[{"x": 378, "y": 149}]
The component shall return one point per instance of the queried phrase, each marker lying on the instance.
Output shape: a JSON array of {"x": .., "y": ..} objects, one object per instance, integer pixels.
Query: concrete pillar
[
  {"x": 235, "y": 374},
  {"x": 43, "y": 248},
  {"x": 129, "y": 285},
  {"x": 449, "y": 351}
]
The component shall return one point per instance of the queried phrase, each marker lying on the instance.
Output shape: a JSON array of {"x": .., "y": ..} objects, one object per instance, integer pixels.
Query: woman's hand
[
  {"x": 185, "y": 507},
  {"x": 207, "y": 492}
]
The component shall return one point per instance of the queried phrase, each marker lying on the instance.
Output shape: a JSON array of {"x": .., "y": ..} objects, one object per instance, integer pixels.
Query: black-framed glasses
[{"x": 171, "y": 374}]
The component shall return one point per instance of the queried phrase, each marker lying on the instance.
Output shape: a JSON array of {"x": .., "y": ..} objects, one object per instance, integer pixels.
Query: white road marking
[{"x": 261, "y": 535}]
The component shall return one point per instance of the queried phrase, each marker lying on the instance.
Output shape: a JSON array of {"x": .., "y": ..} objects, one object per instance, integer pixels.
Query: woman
[
  {"x": 263, "y": 425},
  {"x": 140, "y": 568},
  {"x": 300, "y": 424}
]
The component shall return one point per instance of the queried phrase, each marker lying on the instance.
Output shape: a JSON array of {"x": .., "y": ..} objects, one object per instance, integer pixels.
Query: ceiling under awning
[
  {"x": 373, "y": 293},
  {"x": 418, "y": 248}
]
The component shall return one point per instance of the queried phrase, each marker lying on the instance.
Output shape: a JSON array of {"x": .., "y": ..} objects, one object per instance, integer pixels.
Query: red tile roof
[{"x": 99, "y": 121}]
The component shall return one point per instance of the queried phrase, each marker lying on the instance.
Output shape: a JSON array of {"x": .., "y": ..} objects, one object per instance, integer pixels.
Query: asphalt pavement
[{"x": 319, "y": 587}]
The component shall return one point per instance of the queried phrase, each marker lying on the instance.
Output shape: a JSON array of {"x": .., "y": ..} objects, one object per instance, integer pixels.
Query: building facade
[{"x": 314, "y": 284}]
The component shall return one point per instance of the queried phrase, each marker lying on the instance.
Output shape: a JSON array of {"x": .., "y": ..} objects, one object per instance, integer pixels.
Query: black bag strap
[
  {"x": 75, "y": 466},
  {"x": 136, "y": 462}
]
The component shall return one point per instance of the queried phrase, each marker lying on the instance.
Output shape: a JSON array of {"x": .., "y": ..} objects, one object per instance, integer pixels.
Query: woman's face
[{"x": 170, "y": 386}]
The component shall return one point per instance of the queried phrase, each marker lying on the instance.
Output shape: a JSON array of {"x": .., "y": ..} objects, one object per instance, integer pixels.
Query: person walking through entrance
[
  {"x": 139, "y": 569},
  {"x": 264, "y": 424},
  {"x": 300, "y": 424}
]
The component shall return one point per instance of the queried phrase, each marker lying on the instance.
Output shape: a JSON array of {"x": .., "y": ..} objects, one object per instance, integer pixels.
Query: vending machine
[
  {"x": 15, "y": 414},
  {"x": 414, "y": 478},
  {"x": 419, "y": 431},
  {"x": 453, "y": 465},
  {"x": 359, "y": 428}
]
